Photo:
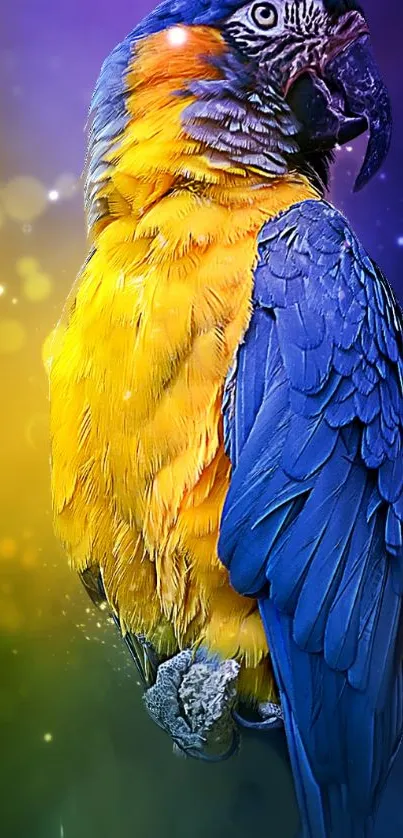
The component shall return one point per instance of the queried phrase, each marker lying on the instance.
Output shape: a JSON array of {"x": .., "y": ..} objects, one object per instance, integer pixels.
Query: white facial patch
[{"x": 291, "y": 15}]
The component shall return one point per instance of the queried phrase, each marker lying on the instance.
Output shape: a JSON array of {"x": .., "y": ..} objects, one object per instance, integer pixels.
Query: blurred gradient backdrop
[{"x": 79, "y": 758}]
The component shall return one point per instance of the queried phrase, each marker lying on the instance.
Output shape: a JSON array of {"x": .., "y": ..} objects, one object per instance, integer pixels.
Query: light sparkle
[{"x": 177, "y": 36}]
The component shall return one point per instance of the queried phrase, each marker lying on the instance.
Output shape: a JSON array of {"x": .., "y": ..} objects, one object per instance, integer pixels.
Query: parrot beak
[
  {"x": 366, "y": 96},
  {"x": 343, "y": 97}
]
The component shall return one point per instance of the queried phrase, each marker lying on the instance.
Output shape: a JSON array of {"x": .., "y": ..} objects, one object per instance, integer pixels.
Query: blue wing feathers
[
  {"x": 312, "y": 522},
  {"x": 340, "y": 649},
  {"x": 309, "y": 444},
  {"x": 327, "y": 566}
]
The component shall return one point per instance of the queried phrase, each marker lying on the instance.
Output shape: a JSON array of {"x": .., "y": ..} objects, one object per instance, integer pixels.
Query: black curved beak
[
  {"x": 366, "y": 96},
  {"x": 346, "y": 99}
]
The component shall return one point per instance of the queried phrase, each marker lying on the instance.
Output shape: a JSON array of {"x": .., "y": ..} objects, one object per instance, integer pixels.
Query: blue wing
[{"x": 312, "y": 523}]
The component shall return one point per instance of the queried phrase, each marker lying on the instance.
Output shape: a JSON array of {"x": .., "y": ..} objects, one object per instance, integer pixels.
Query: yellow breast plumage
[{"x": 138, "y": 364}]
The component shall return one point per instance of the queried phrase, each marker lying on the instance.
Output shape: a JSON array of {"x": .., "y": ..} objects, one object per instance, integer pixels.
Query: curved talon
[
  {"x": 268, "y": 724},
  {"x": 205, "y": 757},
  {"x": 273, "y": 713}
]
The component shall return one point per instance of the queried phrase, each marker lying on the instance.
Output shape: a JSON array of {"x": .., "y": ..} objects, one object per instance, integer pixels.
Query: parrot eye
[{"x": 264, "y": 15}]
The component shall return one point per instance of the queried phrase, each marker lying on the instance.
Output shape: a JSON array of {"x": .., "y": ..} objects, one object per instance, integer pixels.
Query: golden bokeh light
[
  {"x": 12, "y": 336},
  {"x": 37, "y": 286},
  {"x": 8, "y": 548},
  {"x": 29, "y": 557},
  {"x": 27, "y": 265},
  {"x": 24, "y": 198}
]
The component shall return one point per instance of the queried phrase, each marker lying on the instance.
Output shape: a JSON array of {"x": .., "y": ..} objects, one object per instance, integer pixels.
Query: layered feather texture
[
  {"x": 312, "y": 522},
  {"x": 138, "y": 364}
]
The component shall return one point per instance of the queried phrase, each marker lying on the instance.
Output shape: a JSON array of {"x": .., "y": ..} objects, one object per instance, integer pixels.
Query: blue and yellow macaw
[{"x": 226, "y": 388}]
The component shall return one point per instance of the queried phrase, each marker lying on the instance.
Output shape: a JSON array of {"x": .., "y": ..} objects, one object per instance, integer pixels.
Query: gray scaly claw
[
  {"x": 162, "y": 702},
  {"x": 192, "y": 700}
]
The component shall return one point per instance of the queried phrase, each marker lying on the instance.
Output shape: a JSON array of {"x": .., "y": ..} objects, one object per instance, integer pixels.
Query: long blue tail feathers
[{"x": 324, "y": 809}]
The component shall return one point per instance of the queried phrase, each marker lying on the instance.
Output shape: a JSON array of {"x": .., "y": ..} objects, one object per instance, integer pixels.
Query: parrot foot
[
  {"x": 192, "y": 700},
  {"x": 271, "y": 717}
]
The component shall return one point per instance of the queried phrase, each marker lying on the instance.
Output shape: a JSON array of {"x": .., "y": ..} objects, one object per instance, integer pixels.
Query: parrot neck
[{"x": 189, "y": 126}]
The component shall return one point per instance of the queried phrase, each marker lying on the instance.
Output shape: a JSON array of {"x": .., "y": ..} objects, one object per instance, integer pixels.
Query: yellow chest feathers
[{"x": 137, "y": 368}]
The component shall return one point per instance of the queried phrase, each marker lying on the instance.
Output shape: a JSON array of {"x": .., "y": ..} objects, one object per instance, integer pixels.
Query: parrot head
[
  {"x": 302, "y": 71},
  {"x": 319, "y": 53}
]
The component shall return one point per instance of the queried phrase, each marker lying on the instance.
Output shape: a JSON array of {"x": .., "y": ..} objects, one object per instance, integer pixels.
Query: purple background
[{"x": 55, "y": 50}]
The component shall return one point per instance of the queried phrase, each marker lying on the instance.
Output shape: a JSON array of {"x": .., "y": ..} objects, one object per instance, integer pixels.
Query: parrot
[{"x": 226, "y": 394}]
